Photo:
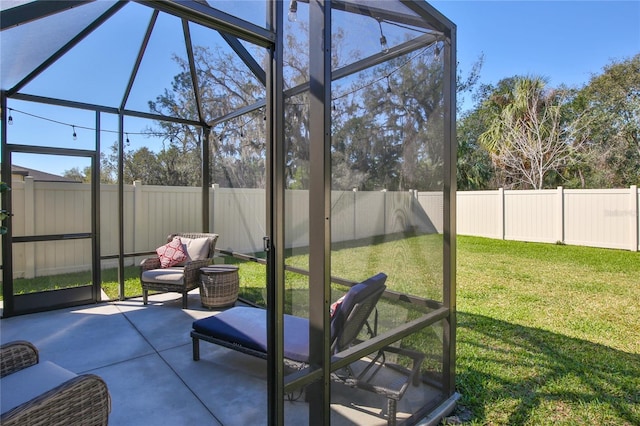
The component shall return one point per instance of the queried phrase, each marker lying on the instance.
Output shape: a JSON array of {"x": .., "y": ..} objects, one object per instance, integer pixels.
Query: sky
[{"x": 566, "y": 42}]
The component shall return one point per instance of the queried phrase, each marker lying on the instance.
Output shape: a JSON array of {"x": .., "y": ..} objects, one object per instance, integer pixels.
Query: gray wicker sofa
[
  {"x": 43, "y": 393},
  {"x": 180, "y": 278}
]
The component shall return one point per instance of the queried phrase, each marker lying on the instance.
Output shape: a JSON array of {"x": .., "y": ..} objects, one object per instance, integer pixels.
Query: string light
[
  {"x": 389, "y": 91},
  {"x": 75, "y": 126},
  {"x": 437, "y": 50},
  {"x": 376, "y": 81},
  {"x": 293, "y": 11},
  {"x": 383, "y": 40},
  {"x": 127, "y": 138},
  {"x": 75, "y": 136}
]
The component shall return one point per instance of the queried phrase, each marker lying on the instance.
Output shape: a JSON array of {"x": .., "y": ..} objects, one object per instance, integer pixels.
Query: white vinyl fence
[
  {"x": 607, "y": 218},
  {"x": 152, "y": 212},
  {"x": 599, "y": 218}
]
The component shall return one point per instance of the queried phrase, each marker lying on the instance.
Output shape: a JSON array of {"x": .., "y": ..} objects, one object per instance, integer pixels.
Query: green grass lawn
[{"x": 547, "y": 334}]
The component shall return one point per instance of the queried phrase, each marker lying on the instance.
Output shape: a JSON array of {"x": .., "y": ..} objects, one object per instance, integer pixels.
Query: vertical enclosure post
[
  {"x": 320, "y": 207},
  {"x": 206, "y": 131},
  {"x": 274, "y": 242},
  {"x": 449, "y": 273},
  {"x": 7, "y": 262}
]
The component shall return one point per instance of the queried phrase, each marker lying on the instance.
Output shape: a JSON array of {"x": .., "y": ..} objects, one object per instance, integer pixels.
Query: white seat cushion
[
  {"x": 173, "y": 275},
  {"x": 25, "y": 385}
]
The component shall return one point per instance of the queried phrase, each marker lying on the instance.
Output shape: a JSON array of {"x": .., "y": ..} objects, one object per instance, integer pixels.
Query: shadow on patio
[{"x": 144, "y": 355}]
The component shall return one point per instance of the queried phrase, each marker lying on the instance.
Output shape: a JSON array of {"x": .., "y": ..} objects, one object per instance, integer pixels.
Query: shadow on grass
[{"x": 534, "y": 376}]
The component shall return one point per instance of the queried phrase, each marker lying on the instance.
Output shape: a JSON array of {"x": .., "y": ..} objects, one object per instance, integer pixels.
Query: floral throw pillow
[{"x": 171, "y": 253}]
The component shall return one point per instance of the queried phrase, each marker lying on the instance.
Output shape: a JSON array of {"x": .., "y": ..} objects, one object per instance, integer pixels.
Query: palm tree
[{"x": 526, "y": 136}]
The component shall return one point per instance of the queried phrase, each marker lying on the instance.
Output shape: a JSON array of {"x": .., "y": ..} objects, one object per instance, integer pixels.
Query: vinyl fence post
[
  {"x": 212, "y": 208},
  {"x": 30, "y": 226},
  {"x": 560, "y": 215},
  {"x": 140, "y": 221},
  {"x": 501, "y": 214},
  {"x": 355, "y": 213},
  {"x": 635, "y": 218},
  {"x": 384, "y": 209}
]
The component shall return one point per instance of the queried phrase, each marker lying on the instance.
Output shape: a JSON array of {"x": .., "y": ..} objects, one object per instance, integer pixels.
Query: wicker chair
[
  {"x": 178, "y": 279},
  {"x": 37, "y": 393}
]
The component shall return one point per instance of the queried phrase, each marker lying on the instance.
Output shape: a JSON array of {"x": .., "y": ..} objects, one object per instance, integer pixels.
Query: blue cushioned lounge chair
[{"x": 244, "y": 329}]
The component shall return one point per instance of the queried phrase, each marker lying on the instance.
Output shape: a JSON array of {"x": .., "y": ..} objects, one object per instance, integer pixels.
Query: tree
[
  {"x": 380, "y": 140},
  {"x": 145, "y": 166},
  {"x": 78, "y": 175},
  {"x": 527, "y": 136},
  {"x": 108, "y": 165},
  {"x": 108, "y": 169},
  {"x": 474, "y": 168},
  {"x": 610, "y": 112},
  {"x": 225, "y": 85},
  {"x": 389, "y": 130}
]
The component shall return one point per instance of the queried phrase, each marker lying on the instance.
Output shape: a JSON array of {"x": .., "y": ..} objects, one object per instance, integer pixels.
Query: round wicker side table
[{"x": 219, "y": 285}]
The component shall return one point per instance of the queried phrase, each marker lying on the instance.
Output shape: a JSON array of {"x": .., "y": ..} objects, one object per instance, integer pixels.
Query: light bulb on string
[
  {"x": 383, "y": 44},
  {"x": 383, "y": 40},
  {"x": 435, "y": 48},
  {"x": 436, "y": 51},
  {"x": 389, "y": 91},
  {"x": 75, "y": 135},
  {"x": 293, "y": 11},
  {"x": 128, "y": 142}
]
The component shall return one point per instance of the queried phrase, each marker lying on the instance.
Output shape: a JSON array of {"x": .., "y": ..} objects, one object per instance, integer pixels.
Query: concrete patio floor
[{"x": 144, "y": 355}]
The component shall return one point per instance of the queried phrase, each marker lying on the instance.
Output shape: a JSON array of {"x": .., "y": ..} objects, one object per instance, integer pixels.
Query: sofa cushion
[
  {"x": 171, "y": 253},
  {"x": 195, "y": 248},
  {"x": 29, "y": 383}
]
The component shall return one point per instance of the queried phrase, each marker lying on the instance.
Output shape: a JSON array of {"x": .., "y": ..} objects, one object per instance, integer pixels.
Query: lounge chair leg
[
  {"x": 196, "y": 348},
  {"x": 185, "y": 297},
  {"x": 391, "y": 412},
  {"x": 416, "y": 379},
  {"x": 145, "y": 295}
]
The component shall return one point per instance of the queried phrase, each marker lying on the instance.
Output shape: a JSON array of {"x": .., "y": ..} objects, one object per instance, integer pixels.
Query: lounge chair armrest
[
  {"x": 192, "y": 269},
  {"x": 82, "y": 400},
  {"x": 416, "y": 357},
  {"x": 14, "y": 356},
  {"x": 150, "y": 263},
  {"x": 367, "y": 378}
]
